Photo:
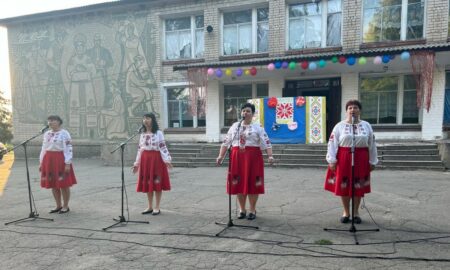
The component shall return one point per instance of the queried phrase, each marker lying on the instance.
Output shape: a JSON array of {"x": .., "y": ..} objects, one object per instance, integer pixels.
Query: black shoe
[
  {"x": 242, "y": 215},
  {"x": 147, "y": 211},
  {"x": 251, "y": 216},
  {"x": 156, "y": 213},
  {"x": 345, "y": 219},
  {"x": 56, "y": 210},
  {"x": 357, "y": 219},
  {"x": 64, "y": 211}
]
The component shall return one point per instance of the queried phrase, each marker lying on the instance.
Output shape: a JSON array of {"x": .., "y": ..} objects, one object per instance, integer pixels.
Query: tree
[{"x": 5, "y": 120}]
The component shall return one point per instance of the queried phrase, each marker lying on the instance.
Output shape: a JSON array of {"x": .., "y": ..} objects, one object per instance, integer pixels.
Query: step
[
  {"x": 410, "y": 157},
  {"x": 409, "y": 152},
  {"x": 409, "y": 163},
  {"x": 408, "y": 147},
  {"x": 403, "y": 168}
]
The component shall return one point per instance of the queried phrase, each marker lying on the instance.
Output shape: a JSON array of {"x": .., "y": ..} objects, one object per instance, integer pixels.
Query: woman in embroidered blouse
[
  {"x": 152, "y": 161},
  {"x": 339, "y": 173},
  {"x": 56, "y": 163},
  {"x": 246, "y": 171}
]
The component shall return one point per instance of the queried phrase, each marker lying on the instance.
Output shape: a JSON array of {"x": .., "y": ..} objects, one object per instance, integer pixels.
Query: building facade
[{"x": 193, "y": 63}]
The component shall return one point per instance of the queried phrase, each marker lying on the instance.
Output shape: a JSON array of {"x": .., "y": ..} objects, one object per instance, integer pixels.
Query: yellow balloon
[
  {"x": 247, "y": 72},
  {"x": 228, "y": 72}
]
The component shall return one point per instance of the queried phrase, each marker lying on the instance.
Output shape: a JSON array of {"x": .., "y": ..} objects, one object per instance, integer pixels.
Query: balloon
[
  {"x": 210, "y": 71},
  {"x": 278, "y": 64},
  {"x": 292, "y": 65},
  {"x": 342, "y": 59},
  {"x": 312, "y": 66},
  {"x": 247, "y": 72},
  {"x": 322, "y": 63},
  {"x": 351, "y": 61},
  {"x": 304, "y": 64},
  {"x": 405, "y": 56},
  {"x": 377, "y": 60},
  {"x": 228, "y": 72},
  {"x": 253, "y": 71},
  {"x": 239, "y": 72},
  {"x": 334, "y": 59},
  {"x": 362, "y": 60},
  {"x": 385, "y": 59},
  {"x": 271, "y": 66},
  {"x": 285, "y": 64},
  {"x": 219, "y": 73}
]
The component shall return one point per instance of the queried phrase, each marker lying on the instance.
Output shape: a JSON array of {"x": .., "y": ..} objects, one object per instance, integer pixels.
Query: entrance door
[{"x": 328, "y": 88}]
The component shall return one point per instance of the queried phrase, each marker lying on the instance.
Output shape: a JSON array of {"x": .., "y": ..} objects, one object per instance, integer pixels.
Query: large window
[
  {"x": 389, "y": 100},
  {"x": 184, "y": 38},
  {"x": 315, "y": 24},
  {"x": 237, "y": 95},
  {"x": 385, "y": 21},
  {"x": 246, "y": 31},
  {"x": 180, "y": 109}
]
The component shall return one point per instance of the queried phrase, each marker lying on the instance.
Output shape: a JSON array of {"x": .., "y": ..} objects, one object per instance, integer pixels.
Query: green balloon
[
  {"x": 362, "y": 60},
  {"x": 322, "y": 63},
  {"x": 292, "y": 65},
  {"x": 334, "y": 59}
]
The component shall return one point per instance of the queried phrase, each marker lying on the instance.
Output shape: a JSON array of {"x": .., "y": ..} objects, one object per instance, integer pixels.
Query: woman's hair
[
  {"x": 55, "y": 117},
  {"x": 353, "y": 102},
  {"x": 155, "y": 126},
  {"x": 248, "y": 105}
]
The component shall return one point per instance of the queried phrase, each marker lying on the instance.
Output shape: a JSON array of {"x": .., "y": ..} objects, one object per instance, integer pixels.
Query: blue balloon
[
  {"x": 351, "y": 61},
  {"x": 385, "y": 59},
  {"x": 405, "y": 56},
  {"x": 278, "y": 64}
]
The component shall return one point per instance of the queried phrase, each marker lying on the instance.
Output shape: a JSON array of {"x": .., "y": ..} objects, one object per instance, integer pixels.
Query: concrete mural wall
[{"x": 95, "y": 71}]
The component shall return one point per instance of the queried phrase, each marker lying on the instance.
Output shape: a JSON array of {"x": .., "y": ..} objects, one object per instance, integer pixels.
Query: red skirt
[
  {"x": 246, "y": 171},
  {"x": 340, "y": 181},
  {"x": 153, "y": 173},
  {"x": 53, "y": 173}
]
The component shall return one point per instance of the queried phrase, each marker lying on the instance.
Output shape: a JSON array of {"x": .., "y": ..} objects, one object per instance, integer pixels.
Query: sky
[{"x": 26, "y": 7}]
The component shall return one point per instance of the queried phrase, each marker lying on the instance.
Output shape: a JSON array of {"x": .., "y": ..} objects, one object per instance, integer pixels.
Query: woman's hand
[
  {"x": 271, "y": 160},
  {"x": 219, "y": 160},
  {"x": 169, "y": 165},
  {"x": 67, "y": 168},
  {"x": 332, "y": 166},
  {"x": 135, "y": 168}
]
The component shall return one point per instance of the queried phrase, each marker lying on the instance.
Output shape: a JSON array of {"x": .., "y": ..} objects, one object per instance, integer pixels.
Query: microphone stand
[
  {"x": 353, "y": 229},
  {"x": 230, "y": 223},
  {"x": 33, "y": 213},
  {"x": 121, "y": 218}
]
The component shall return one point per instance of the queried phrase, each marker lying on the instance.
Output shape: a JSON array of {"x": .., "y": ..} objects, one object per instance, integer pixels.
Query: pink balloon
[
  {"x": 210, "y": 71},
  {"x": 377, "y": 60},
  {"x": 271, "y": 66}
]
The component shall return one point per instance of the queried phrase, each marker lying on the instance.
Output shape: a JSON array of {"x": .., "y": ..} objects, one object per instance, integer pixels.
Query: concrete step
[
  {"x": 410, "y": 157},
  {"x": 410, "y": 163},
  {"x": 409, "y": 152}
]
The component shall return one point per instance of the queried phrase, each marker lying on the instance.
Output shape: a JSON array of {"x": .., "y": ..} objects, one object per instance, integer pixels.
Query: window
[
  {"x": 389, "y": 100},
  {"x": 179, "y": 109},
  {"x": 246, "y": 31},
  {"x": 184, "y": 38},
  {"x": 315, "y": 24},
  {"x": 385, "y": 21},
  {"x": 237, "y": 95}
]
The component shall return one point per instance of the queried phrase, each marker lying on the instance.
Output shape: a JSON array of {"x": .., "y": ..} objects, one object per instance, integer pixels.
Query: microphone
[
  {"x": 141, "y": 129},
  {"x": 353, "y": 118},
  {"x": 44, "y": 129}
]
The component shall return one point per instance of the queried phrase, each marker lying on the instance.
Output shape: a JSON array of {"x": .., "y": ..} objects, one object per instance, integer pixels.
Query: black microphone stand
[
  {"x": 230, "y": 223},
  {"x": 121, "y": 218},
  {"x": 33, "y": 213},
  {"x": 353, "y": 229}
]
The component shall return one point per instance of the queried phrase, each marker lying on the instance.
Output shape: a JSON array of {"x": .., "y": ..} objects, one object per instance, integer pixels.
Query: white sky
[{"x": 25, "y": 7}]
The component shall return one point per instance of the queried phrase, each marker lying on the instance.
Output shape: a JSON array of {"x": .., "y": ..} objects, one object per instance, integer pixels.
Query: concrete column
[
  {"x": 432, "y": 120},
  {"x": 350, "y": 89},
  {"x": 213, "y": 109}
]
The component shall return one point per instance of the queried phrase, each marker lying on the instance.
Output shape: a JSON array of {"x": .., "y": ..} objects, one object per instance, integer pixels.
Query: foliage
[{"x": 5, "y": 120}]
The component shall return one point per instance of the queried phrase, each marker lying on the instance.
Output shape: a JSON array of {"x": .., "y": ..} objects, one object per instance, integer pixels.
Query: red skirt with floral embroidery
[
  {"x": 246, "y": 172},
  {"x": 340, "y": 181},
  {"x": 153, "y": 173},
  {"x": 53, "y": 173}
]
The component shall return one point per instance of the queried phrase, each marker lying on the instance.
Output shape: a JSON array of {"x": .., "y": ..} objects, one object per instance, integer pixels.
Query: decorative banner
[
  {"x": 285, "y": 110},
  {"x": 258, "y": 116},
  {"x": 315, "y": 120}
]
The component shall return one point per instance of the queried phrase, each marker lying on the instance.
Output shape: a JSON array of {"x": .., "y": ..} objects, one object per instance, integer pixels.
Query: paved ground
[{"x": 410, "y": 208}]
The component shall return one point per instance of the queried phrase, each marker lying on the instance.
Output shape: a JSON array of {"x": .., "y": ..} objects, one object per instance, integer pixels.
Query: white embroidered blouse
[
  {"x": 57, "y": 141},
  {"x": 342, "y": 136},
  {"x": 251, "y": 135},
  {"x": 152, "y": 142}
]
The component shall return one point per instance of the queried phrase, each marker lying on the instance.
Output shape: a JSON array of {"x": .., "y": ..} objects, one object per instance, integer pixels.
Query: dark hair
[
  {"x": 248, "y": 105},
  {"x": 55, "y": 117},
  {"x": 155, "y": 126},
  {"x": 353, "y": 102}
]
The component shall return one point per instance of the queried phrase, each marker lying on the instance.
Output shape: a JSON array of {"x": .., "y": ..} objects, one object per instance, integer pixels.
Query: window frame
[
  {"x": 254, "y": 28},
  {"x": 193, "y": 30},
  {"x": 324, "y": 25}
]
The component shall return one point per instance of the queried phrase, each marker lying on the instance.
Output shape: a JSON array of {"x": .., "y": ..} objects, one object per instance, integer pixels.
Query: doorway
[{"x": 329, "y": 88}]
